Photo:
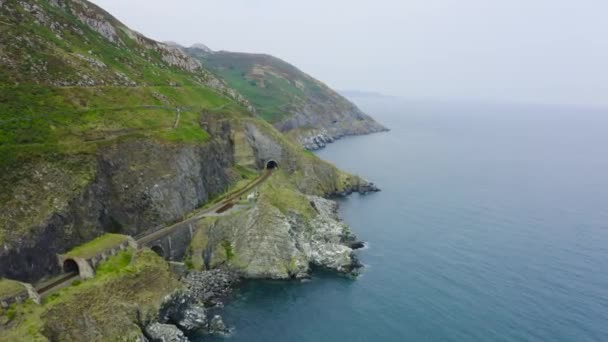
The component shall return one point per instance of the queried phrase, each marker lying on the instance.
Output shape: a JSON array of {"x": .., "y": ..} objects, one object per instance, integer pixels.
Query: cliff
[
  {"x": 103, "y": 130},
  {"x": 293, "y": 101}
]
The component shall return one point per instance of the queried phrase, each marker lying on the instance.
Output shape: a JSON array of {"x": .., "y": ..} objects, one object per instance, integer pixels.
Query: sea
[{"x": 492, "y": 225}]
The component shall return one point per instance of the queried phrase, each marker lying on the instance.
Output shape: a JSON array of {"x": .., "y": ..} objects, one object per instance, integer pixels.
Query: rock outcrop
[
  {"x": 182, "y": 310},
  {"x": 217, "y": 326},
  {"x": 210, "y": 287},
  {"x": 317, "y": 141},
  {"x": 158, "y": 332},
  {"x": 278, "y": 242}
]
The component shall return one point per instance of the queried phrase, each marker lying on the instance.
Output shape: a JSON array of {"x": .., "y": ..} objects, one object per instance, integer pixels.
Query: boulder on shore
[{"x": 158, "y": 332}]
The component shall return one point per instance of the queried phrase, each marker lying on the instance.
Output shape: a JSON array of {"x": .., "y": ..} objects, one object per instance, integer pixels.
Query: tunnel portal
[
  {"x": 70, "y": 266},
  {"x": 158, "y": 250},
  {"x": 271, "y": 165}
]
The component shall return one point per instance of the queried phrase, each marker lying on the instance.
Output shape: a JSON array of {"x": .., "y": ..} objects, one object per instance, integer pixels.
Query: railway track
[
  {"x": 224, "y": 205},
  {"x": 219, "y": 208},
  {"x": 56, "y": 282}
]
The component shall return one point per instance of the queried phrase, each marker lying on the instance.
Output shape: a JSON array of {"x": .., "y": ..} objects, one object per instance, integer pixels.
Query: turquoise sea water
[{"x": 492, "y": 226}]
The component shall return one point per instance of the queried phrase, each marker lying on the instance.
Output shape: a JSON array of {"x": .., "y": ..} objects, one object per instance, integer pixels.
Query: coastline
[{"x": 185, "y": 313}]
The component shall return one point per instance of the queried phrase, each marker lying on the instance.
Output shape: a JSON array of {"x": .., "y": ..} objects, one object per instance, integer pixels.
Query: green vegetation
[
  {"x": 67, "y": 90},
  {"x": 306, "y": 172},
  {"x": 198, "y": 243},
  {"x": 273, "y": 86},
  {"x": 115, "y": 264},
  {"x": 280, "y": 193},
  {"x": 228, "y": 250},
  {"x": 128, "y": 283},
  {"x": 246, "y": 172},
  {"x": 100, "y": 244},
  {"x": 10, "y": 287}
]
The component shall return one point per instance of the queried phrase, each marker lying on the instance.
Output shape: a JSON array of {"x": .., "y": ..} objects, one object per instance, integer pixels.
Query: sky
[{"x": 525, "y": 51}]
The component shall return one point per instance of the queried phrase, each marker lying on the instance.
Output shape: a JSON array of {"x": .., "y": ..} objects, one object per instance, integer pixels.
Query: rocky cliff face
[
  {"x": 105, "y": 130},
  {"x": 137, "y": 185},
  {"x": 266, "y": 242},
  {"x": 130, "y": 187}
]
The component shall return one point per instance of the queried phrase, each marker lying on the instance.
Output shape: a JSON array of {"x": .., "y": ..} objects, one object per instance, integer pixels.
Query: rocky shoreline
[
  {"x": 321, "y": 139},
  {"x": 363, "y": 189},
  {"x": 192, "y": 310},
  {"x": 195, "y": 309}
]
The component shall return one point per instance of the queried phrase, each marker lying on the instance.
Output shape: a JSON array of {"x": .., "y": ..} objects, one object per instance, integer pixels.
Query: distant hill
[{"x": 291, "y": 100}]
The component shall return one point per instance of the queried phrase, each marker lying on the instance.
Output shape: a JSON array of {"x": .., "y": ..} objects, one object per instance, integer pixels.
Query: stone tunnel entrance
[
  {"x": 70, "y": 266},
  {"x": 271, "y": 165},
  {"x": 158, "y": 250}
]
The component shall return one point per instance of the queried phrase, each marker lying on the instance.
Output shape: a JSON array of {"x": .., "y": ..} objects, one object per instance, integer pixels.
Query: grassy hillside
[
  {"x": 73, "y": 76},
  {"x": 285, "y": 96},
  {"x": 127, "y": 290},
  {"x": 274, "y": 86}
]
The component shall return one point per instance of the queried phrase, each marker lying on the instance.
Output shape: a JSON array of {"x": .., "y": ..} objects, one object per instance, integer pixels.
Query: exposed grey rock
[
  {"x": 92, "y": 61},
  {"x": 217, "y": 326},
  {"x": 333, "y": 118},
  {"x": 356, "y": 245},
  {"x": 176, "y": 57},
  {"x": 210, "y": 287},
  {"x": 97, "y": 22},
  {"x": 158, "y": 332},
  {"x": 315, "y": 141},
  {"x": 180, "y": 308},
  {"x": 171, "y": 181},
  {"x": 316, "y": 114},
  {"x": 329, "y": 243},
  {"x": 264, "y": 147},
  {"x": 193, "y": 318},
  {"x": 363, "y": 188},
  {"x": 267, "y": 243}
]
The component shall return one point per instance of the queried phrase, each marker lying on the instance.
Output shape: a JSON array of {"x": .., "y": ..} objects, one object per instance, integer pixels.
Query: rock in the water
[
  {"x": 217, "y": 326},
  {"x": 316, "y": 142},
  {"x": 158, "y": 332},
  {"x": 363, "y": 188},
  {"x": 192, "y": 319},
  {"x": 366, "y": 188},
  {"x": 181, "y": 309},
  {"x": 356, "y": 244}
]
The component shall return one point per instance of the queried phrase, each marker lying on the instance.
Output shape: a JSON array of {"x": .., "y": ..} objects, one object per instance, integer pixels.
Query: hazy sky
[{"x": 545, "y": 51}]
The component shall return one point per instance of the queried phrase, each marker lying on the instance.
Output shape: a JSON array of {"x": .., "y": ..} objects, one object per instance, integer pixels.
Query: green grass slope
[
  {"x": 72, "y": 76},
  {"x": 285, "y": 96}
]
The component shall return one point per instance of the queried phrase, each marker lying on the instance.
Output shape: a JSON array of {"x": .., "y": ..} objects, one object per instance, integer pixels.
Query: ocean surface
[{"x": 492, "y": 226}]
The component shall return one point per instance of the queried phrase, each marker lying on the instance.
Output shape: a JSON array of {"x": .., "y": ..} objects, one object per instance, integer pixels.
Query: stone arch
[
  {"x": 83, "y": 267},
  {"x": 70, "y": 266},
  {"x": 158, "y": 249},
  {"x": 271, "y": 164}
]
